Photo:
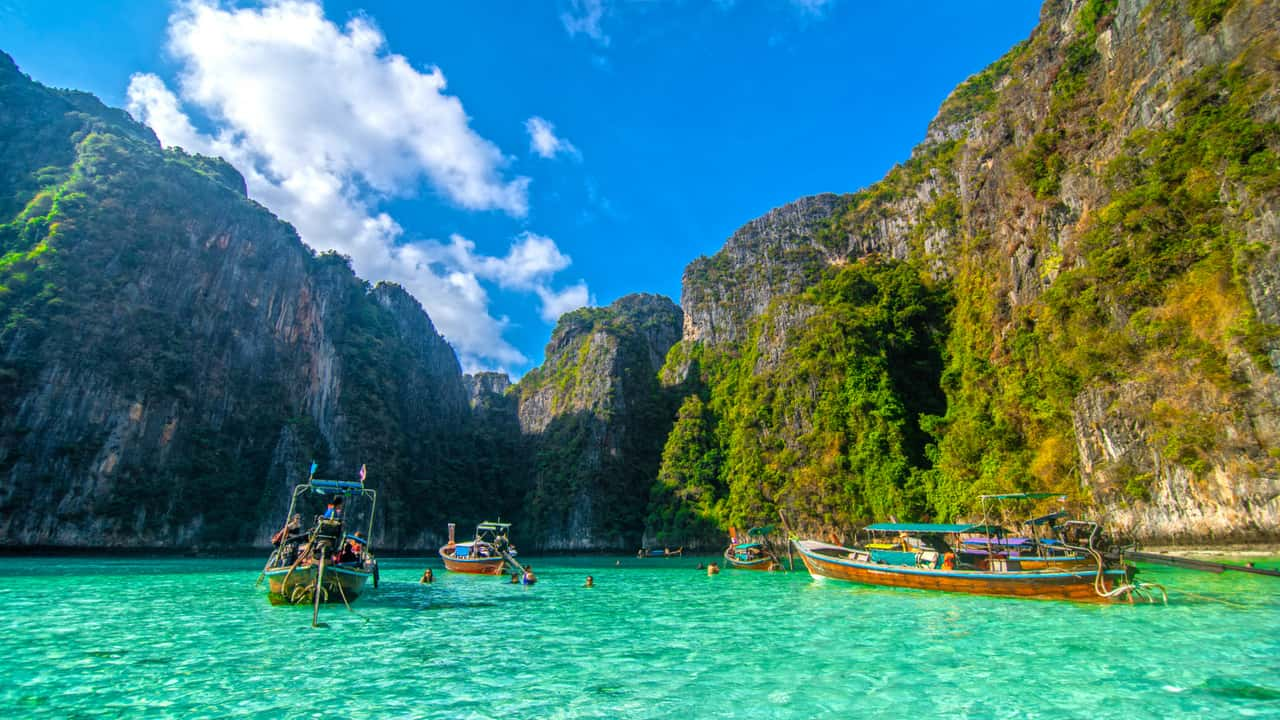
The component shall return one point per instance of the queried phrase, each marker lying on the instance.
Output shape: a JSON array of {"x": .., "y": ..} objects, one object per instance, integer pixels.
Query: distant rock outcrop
[{"x": 596, "y": 418}]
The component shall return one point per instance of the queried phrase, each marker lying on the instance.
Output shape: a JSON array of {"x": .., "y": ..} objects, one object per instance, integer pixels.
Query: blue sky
[{"x": 407, "y": 134}]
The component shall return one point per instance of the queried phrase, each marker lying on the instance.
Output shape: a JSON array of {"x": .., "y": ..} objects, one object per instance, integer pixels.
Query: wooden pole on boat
[
  {"x": 507, "y": 556},
  {"x": 315, "y": 613},
  {"x": 270, "y": 559},
  {"x": 786, "y": 528}
]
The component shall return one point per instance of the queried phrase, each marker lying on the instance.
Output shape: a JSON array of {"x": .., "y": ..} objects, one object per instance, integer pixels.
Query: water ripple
[{"x": 173, "y": 638}]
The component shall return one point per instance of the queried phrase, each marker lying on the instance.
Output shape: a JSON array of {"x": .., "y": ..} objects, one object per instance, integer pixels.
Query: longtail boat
[
  {"x": 324, "y": 563},
  {"x": 922, "y": 559},
  {"x": 488, "y": 554},
  {"x": 752, "y": 551},
  {"x": 664, "y": 552}
]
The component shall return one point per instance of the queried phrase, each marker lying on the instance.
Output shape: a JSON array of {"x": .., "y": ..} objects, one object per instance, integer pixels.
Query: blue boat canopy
[
  {"x": 1043, "y": 519},
  {"x": 923, "y": 527},
  {"x": 746, "y": 546},
  {"x": 335, "y": 487}
]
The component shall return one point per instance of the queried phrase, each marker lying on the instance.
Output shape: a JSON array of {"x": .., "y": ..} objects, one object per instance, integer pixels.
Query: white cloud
[
  {"x": 530, "y": 263},
  {"x": 325, "y": 124},
  {"x": 585, "y": 16},
  {"x": 557, "y": 303},
  {"x": 544, "y": 141}
]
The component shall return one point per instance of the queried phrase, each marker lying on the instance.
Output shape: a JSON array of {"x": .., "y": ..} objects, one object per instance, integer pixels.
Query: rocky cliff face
[
  {"x": 1101, "y": 205},
  {"x": 172, "y": 357},
  {"x": 596, "y": 418}
]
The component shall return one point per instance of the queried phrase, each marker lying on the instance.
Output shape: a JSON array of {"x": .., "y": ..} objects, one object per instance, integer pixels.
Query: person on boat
[
  {"x": 427, "y": 577},
  {"x": 333, "y": 511},
  {"x": 590, "y": 582},
  {"x": 291, "y": 527},
  {"x": 350, "y": 551}
]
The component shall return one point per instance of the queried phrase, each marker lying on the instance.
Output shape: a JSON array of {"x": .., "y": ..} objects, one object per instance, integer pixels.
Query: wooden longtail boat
[
  {"x": 664, "y": 552},
  {"x": 753, "y": 551},
  {"x": 928, "y": 567},
  {"x": 323, "y": 564},
  {"x": 488, "y": 554}
]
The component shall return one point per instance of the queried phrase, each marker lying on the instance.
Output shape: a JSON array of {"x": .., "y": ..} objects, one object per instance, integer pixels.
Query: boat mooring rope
[
  {"x": 304, "y": 593},
  {"x": 1137, "y": 588}
]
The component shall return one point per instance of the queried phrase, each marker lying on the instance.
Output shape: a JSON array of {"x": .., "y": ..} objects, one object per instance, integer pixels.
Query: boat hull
[
  {"x": 473, "y": 566},
  {"x": 1047, "y": 584},
  {"x": 764, "y": 564},
  {"x": 295, "y": 587}
]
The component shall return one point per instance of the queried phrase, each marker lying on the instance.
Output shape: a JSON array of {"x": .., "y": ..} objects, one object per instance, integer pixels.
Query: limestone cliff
[
  {"x": 596, "y": 417},
  {"x": 172, "y": 357},
  {"x": 1101, "y": 205}
]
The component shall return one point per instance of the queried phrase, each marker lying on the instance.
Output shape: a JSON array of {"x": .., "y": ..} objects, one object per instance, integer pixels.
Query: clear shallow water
[{"x": 83, "y": 638}]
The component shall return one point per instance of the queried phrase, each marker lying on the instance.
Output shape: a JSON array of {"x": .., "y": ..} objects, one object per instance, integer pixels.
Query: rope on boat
[
  {"x": 343, "y": 593},
  {"x": 303, "y": 593},
  {"x": 1136, "y": 588},
  {"x": 1141, "y": 590}
]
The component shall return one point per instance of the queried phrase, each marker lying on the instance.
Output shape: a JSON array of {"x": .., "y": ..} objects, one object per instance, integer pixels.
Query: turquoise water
[{"x": 83, "y": 638}]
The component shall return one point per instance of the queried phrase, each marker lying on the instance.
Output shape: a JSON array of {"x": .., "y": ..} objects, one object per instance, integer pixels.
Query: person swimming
[{"x": 590, "y": 582}]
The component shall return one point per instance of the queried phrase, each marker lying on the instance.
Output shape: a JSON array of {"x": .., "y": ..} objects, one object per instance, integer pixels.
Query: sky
[{"x": 507, "y": 161}]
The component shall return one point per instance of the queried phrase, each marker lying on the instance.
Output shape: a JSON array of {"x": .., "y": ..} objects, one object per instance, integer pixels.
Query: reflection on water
[{"x": 655, "y": 638}]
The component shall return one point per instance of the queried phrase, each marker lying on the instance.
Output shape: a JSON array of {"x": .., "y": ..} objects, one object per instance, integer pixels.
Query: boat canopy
[
  {"x": 1024, "y": 496},
  {"x": 335, "y": 487},
  {"x": 761, "y": 530},
  {"x": 1008, "y": 541},
  {"x": 746, "y": 546},
  {"x": 500, "y": 526},
  {"x": 925, "y": 527},
  {"x": 1047, "y": 519}
]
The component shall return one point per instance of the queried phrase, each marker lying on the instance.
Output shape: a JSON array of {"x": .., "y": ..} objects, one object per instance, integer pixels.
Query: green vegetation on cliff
[
  {"x": 597, "y": 417},
  {"x": 819, "y": 413},
  {"x": 1098, "y": 219}
]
